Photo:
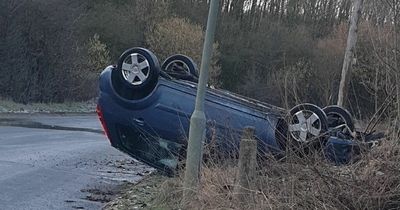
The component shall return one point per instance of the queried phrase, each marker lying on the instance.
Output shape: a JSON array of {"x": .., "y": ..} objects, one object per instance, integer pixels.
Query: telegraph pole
[
  {"x": 349, "y": 53},
  {"x": 198, "y": 119}
]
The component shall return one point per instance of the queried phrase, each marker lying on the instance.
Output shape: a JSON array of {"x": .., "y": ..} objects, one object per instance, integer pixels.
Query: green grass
[{"x": 8, "y": 106}]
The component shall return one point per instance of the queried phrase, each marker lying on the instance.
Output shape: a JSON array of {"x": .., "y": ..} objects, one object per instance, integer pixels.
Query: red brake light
[{"x": 103, "y": 123}]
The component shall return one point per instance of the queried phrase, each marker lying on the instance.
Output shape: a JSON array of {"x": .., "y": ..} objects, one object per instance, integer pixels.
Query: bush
[
  {"x": 178, "y": 35},
  {"x": 98, "y": 54}
]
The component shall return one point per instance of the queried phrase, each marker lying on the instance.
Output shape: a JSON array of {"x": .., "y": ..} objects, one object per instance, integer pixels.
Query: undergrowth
[{"x": 299, "y": 182}]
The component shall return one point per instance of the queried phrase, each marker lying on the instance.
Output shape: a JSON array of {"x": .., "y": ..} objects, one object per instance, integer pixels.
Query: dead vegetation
[{"x": 299, "y": 182}]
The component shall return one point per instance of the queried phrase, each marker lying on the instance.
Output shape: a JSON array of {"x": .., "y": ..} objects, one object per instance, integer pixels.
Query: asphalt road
[{"x": 59, "y": 162}]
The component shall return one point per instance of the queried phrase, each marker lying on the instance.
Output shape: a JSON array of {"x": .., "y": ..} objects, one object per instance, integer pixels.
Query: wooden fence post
[{"x": 247, "y": 166}]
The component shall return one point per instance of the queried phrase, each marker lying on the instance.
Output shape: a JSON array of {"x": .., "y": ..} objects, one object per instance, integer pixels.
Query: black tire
[
  {"x": 338, "y": 116},
  {"x": 181, "y": 67},
  {"x": 307, "y": 125},
  {"x": 139, "y": 87}
]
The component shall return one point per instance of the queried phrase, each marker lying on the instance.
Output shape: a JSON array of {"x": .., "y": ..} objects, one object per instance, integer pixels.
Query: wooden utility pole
[
  {"x": 247, "y": 167},
  {"x": 349, "y": 54}
]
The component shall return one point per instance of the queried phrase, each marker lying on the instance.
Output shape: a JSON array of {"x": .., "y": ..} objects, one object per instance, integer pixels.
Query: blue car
[{"x": 145, "y": 111}]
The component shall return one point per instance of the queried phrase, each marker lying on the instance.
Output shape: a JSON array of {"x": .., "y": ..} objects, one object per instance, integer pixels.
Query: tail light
[{"x": 103, "y": 123}]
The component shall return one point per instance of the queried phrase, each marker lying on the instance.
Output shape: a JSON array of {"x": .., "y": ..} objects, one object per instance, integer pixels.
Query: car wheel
[
  {"x": 181, "y": 67},
  {"x": 339, "y": 116},
  {"x": 306, "y": 123},
  {"x": 136, "y": 74}
]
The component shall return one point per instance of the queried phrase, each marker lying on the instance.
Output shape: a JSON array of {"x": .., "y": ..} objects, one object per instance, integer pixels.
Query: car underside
[{"x": 145, "y": 111}]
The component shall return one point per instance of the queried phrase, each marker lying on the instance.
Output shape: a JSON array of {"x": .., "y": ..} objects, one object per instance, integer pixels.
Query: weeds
[{"x": 300, "y": 182}]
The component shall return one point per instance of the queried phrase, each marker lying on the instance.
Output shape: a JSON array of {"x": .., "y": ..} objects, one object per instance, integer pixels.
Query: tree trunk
[{"x": 349, "y": 54}]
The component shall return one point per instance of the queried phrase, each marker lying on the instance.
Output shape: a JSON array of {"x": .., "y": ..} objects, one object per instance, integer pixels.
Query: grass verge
[
  {"x": 142, "y": 195},
  {"x": 8, "y": 106},
  {"x": 298, "y": 182}
]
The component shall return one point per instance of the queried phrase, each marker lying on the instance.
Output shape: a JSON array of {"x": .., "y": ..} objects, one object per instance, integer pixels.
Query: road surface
[{"x": 59, "y": 162}]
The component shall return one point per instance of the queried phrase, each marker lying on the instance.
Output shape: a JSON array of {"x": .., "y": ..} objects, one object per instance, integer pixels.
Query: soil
[{"x": 141, "y": 195}]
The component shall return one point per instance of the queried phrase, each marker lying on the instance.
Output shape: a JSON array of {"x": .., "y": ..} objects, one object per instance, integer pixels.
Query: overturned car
[{"x": 145, "y": 111}]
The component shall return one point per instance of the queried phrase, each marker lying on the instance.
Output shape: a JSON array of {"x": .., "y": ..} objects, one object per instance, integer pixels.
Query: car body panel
[{"x": 154, "y": 129}]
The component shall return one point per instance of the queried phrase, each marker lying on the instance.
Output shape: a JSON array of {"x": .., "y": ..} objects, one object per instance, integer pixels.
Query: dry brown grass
[{"x": 301, "y": 183}]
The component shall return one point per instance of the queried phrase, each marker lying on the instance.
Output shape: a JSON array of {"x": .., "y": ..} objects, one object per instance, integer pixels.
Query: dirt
[
  {"x": 103, "y": 192},
  {"x": 142, "y": 195}
]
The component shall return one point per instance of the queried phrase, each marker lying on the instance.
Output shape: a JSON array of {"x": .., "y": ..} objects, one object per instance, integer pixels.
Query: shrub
[
  {"x": 98, "y": 54},
  {"x": 178, "y": 35}
]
